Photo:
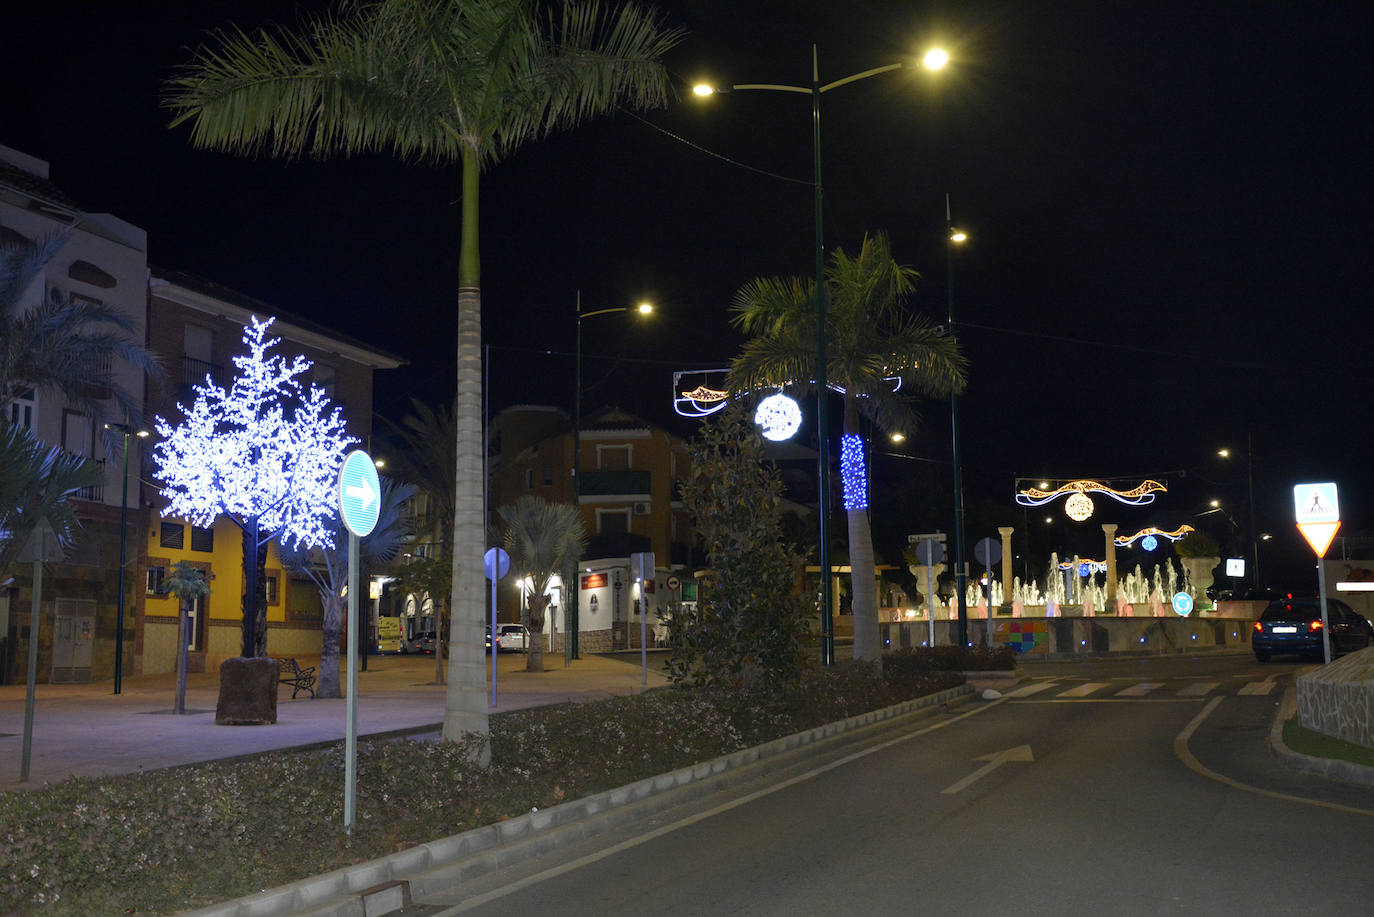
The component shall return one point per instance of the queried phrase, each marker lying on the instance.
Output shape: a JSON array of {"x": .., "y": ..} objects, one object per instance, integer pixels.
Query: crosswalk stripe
[
  {"x": 1257, "y": 687},
  {"x": 1084, "y": 690},
  {"x": 1028, "y": 690},
  {"x": 1140, "y": 690},
  {"x": 1198, "y": 689}
]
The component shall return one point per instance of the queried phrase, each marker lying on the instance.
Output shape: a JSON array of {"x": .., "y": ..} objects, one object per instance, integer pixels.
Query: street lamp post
[
  {"x": 570, "y": 616},
  {"x": 126, "y": 430},
  {"x": 954, "y": 237},
  {"x": 933, "y": 60},
  {"x": 1250, "y": 516}
]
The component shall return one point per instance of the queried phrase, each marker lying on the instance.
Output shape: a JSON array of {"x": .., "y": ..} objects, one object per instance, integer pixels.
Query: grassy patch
[
  {"x": 1319, "y": 745},
  {"x": 165, "y": 841}
]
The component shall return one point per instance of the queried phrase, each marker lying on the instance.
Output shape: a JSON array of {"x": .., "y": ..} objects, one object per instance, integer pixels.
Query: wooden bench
[{"x": 300, "y": 679}]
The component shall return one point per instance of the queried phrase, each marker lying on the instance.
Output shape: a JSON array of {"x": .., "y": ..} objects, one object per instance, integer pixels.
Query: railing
[
  {"x": 193, "y": 372},
  {"x": 97, "y": 491}
]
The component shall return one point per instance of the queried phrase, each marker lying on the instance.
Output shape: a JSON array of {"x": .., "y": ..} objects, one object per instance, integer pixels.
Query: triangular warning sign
[{"x": 1319, "y": 534}]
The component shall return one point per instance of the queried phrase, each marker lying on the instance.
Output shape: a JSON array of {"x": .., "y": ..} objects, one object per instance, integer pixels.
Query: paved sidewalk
[{"x": 87, "y": 731}]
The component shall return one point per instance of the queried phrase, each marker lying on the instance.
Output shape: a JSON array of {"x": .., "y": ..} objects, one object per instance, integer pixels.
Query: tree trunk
[
  {"x": 254, "y": 591},
  {"x": 534, "y": 651},
  {"x": 331, "y": 625},
  {"x": 441, "y": 634},
  {"x": 465, "y": 701},
  {"x": 183, "y": 613},
  {"x": 862, "y": 585}
]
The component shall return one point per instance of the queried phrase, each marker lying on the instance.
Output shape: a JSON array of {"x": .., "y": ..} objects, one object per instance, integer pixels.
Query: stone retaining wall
[{"x": 1338, "y": 699}]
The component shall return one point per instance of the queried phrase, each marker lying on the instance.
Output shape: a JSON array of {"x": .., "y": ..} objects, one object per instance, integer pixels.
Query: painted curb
[
  {"x": 441, "y": 864},
  {"x": 1348, "y": 771}
]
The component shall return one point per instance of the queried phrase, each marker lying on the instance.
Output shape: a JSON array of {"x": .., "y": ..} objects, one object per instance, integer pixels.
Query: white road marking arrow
[
  {"x": 995, "y": 760},
  {"x": 361, "y": 492}
]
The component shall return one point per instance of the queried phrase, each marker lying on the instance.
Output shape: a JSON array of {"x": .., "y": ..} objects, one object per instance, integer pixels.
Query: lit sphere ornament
[
  {"x": 779, "y": 417},
  {"x": 1079, "y": 507},
  {"x": 1149, "y": 542}
]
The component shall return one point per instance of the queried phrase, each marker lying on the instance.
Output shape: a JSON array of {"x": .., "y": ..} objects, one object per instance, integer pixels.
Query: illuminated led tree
[{"x": 265, "y": 452}]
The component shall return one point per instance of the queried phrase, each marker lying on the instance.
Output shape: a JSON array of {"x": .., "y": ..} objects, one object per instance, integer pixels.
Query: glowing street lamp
[
  {"x": 933, "y": 60},
  {"x": 570, "y": 648}
]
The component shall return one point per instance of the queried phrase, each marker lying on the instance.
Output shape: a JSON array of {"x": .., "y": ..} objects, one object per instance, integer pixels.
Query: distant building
[{"x": 195, "y": 327}]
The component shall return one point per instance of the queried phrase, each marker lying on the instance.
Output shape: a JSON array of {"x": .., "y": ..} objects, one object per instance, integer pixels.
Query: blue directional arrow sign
[{"x": 360, "y": 493}]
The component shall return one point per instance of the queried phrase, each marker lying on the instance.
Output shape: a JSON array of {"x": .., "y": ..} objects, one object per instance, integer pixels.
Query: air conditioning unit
[{"x": 641, "y": 509}]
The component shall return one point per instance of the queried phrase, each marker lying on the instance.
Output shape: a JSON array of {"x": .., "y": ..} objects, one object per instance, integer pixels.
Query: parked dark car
[
  {"x": 1294, "y": 625},
  {"x": 421, "y": 643}
]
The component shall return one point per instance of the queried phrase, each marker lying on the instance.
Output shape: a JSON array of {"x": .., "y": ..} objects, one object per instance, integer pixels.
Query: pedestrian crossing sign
[{"x": 1318, "y": 514}]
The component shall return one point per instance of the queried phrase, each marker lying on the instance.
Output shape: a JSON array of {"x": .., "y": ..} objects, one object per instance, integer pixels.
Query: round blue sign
[
  {"x": 496, "y": 563},
  {"x": 360, "y": 493},
  {"x": 1183, "y": 603},
  {"x": 1149, "y": 542}
]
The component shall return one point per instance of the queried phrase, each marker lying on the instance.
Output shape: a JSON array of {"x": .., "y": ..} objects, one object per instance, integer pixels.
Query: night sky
[{"x": 1169, "y": 206}]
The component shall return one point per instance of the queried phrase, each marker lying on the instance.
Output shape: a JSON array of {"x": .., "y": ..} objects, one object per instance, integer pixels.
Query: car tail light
[
  {"x": 1259, "y": 628},
  {"x": 1315, "y": 625}
]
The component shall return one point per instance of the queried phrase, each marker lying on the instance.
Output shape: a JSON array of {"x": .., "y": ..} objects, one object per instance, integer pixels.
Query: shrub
[{"x": 920, "y": 659}]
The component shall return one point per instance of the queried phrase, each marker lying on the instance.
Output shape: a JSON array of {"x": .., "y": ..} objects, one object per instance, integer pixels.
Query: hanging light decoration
[
  {"x": 853, "y": 473},
  {"x": 778, "y": 416},
  {"x": 1151, "y": 534},
  {"x": 1079, "y": 505}
]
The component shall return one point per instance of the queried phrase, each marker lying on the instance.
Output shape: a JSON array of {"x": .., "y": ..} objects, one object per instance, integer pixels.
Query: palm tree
[
  {"x": 187, "y": 583},
  {"x": 63, "y": 345},
  {"x": 878, "y": 356},
  {"x": 37, "y": 483},
  {"x": 465, "y": 81},
  {"x": 543, "y": 539},
  {"x": 327, "y": 568}
]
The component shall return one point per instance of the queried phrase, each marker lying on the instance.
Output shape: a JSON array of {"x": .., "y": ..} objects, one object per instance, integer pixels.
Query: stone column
[
  {"x": 1007, "y": 565},
  {"x": 1109, "y": 529}
]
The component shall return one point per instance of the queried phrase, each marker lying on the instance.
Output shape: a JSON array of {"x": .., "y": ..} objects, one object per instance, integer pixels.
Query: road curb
[
  {"x": 341, "y": 893},
  {"x": 1334, "y": 769}
]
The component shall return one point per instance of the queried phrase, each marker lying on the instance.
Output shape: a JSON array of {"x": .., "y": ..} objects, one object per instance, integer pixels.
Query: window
[
  {"x": 152, "y": 583},
  {"x": 612, "y": 521},
  {"x": 272, "y": 585},
  {"x": 326, "y": 377},
  {"x": 202, "y": 539},
  {"x": 173, "y": 535},
  {"x": 548, "y": 472},
  {"x": 529, "y": 479},
  {"x": 78, "y": 433},
  {"x": 22, "y": 409},
  {"x": 613, "y": 458}
]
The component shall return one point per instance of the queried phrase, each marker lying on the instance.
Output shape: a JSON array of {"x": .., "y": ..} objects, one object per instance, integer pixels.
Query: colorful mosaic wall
[{"x": 1023, "y": 635}]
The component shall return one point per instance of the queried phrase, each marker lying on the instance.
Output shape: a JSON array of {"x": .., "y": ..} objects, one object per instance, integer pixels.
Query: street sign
[
  {"x": 673, "y": 583},
  {"x": 1318, "y": 514},
  {"x": 987, "y": 551},
  {"x": 933, "y": 536},
  {"x": 930, "y": 552},
  {"x": 1183, "y": 604},
  {"x": 1235, "y": 567},
  {"x": 496, "y": 563},
  {"x": 360, "y": 493}
]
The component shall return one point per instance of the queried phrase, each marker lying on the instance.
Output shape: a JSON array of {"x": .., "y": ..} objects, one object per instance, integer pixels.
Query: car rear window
[{"x": 1288, "y": 611}]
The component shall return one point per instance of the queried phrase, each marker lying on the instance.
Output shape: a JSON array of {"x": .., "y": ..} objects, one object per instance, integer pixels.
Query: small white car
[{"x": 512, "y": 638}]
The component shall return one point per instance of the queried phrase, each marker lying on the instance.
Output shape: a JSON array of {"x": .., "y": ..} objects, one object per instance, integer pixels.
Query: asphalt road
[{"x": 1131, "y": 787}]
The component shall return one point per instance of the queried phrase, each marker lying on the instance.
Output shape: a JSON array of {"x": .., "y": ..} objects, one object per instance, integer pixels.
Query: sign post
[
  {"x": 988, "y": 552},
  {"x": 1318, "y": 514},
  {"x": 930, "y": 550},
  {"x": 496, "y": 563},
  {"x": 643, "y": 563},
  {"x": 360, "y": 502},
  {"x": 41, "y": 547}
]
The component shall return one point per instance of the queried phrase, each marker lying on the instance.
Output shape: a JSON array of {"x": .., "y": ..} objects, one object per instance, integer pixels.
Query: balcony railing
[
  {"x": 193, "y": 372},
  {"x": 96, "y": 492}
]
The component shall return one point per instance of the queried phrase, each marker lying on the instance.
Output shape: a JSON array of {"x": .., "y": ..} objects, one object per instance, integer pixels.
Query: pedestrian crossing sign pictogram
[{"x": 1318, "y": 514}]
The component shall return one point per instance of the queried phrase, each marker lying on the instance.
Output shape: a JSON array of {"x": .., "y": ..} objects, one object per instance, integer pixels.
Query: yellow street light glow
[
  {"x": 935, "y": 58},
  {"x": 898, "y": 436},
  {"x": 1224, "y": 453},
  {"x": 645, "y": 308},
  {"x": 958, "y": 235},
  {"x": 1214, "y": 504},
  {"x": 704, "y": 89}
]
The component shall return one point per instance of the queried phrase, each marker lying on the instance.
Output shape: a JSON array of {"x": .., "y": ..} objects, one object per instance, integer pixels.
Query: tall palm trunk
[
  {"x": 183, "y": 616},
  {"x": 465, "y": 704},
  {"x": 330, "y": 627},
  {"x": 861, "y": 574}
]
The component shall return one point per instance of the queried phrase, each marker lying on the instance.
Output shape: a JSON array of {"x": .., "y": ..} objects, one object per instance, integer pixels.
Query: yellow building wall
[{"x": 287, "y": 635}]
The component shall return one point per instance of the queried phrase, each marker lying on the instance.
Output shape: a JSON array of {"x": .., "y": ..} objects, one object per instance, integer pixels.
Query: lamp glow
[
  {"x": 778, "y": 416},
  {"x": 935, "y": 59},
  {"x": 703, "y": 89}
]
